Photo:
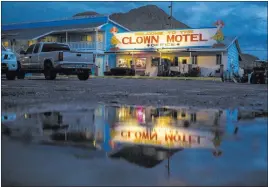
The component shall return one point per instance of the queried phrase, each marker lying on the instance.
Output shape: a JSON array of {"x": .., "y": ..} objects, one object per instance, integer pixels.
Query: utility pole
[{"x": 170, "y": 17}]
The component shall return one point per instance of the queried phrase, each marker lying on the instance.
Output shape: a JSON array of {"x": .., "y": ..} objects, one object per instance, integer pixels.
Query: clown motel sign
[
  {"x": 163, "y": 137},
  {"x": 166, "y": 39}
]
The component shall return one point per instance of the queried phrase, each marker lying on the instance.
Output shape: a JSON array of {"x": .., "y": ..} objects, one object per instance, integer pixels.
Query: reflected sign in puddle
[{"x": 145, "y": 136}]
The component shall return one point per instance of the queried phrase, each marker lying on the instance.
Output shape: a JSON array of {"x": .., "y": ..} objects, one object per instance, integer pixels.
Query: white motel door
[{"x": 99, "y": 63}]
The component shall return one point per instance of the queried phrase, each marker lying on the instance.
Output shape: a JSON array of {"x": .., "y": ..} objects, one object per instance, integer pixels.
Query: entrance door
[{"x": 100, "y": 64}]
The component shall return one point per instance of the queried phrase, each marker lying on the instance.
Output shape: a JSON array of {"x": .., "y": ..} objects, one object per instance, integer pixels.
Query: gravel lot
[{"x": 205, "y": 94}]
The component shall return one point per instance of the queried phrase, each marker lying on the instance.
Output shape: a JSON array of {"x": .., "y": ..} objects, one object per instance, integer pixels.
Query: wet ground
[
  {"x": 112, "y": 144},
  {"x": 206, "y": 94}
]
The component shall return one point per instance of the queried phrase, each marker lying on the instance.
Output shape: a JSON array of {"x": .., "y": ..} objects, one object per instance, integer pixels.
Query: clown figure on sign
[
  {"x": 114, "y": 40},
  {"x": 219, "y": 37}
]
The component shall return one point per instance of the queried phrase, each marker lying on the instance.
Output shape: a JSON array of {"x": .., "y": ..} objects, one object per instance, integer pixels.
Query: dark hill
[{"x": 149, "y": 17}]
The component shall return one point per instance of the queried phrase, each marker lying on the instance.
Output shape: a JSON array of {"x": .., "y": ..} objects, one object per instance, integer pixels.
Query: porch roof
[{"x": 32, "y": 34}]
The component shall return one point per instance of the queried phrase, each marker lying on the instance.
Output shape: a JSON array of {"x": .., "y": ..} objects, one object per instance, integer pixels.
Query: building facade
[
  {"x": 116, "y": 46},
  {"x": 88, "y": 34}
]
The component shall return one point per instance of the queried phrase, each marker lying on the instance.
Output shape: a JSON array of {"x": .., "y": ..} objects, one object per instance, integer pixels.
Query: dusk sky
[{"x": 247, "y": 20}]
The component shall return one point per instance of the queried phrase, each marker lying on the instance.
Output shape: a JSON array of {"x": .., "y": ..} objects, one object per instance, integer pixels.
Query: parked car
[
  {"x": 258, "y": 75},
  {"x": 8, "y": 63},
  {"x": 52, "y": 58}
]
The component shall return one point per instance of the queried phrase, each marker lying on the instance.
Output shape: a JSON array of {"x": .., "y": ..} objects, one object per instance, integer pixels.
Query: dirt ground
[{"x": 205, "y": 94}]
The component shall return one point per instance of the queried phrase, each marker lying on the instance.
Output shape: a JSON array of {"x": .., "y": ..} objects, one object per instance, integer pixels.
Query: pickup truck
[
  {"x": 8, "y": 63},
  {"x": 52, "y": 58}
]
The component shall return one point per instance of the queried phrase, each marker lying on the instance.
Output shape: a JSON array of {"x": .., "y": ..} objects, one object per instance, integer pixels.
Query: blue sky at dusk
[{"x": 247, "y": 20}]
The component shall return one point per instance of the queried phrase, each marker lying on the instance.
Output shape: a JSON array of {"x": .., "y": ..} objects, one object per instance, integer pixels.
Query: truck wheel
[
  {"x": 49, "y": 72},
  {"x": 10, "y": 75},
  {"x": 83, "y": 76},
  {"x": 20, "y": 73}
]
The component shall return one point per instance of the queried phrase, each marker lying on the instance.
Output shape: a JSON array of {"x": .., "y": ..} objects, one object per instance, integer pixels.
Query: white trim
[
  {"x": 118, "y": 24},
  {"x": 37, "y": 37},
  {"x": 99, "y": 27},
  {"x": 231, "y": 43}
]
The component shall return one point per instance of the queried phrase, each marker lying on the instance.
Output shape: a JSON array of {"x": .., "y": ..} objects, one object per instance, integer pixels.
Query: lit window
[
  {"x": 5, "y": 44},
  {"x": 184, "y": 61},
  {"x": 31, "y": 42},
  {"x": 89, "y": 38},
  {"x": 100, "y": 37}
]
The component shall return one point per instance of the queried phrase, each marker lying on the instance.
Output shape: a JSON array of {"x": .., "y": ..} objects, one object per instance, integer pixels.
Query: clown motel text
[
  {"x": 154, "y": 136},
  {"x": 170, "y": 38}
]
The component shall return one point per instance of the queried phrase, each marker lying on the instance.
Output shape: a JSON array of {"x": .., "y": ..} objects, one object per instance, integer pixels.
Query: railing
[{"x": 84, "y": 46}]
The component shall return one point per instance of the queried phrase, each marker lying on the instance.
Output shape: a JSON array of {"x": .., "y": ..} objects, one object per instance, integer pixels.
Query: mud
[{"x": 206, "y": 94}]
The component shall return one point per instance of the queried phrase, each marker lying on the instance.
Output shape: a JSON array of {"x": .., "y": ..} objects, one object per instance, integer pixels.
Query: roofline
[
  {"x": 99, "y": 27},
  {"x": 67, "y": 18},
  {"x": 173, "y": 29},
  {"x": 42, "y": 35},
  {"x": 118, "y": 24},
  {"x": 236, "y": 43}
]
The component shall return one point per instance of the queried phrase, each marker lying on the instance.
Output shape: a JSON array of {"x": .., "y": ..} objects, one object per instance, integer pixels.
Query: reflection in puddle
[{"x": 145, "y": 136}]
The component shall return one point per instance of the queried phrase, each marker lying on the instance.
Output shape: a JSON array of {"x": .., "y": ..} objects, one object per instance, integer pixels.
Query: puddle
[{"x": 179, "y": 141}]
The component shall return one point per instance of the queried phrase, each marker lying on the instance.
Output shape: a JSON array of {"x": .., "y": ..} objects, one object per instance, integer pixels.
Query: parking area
[{"x": 211, "y": 94}]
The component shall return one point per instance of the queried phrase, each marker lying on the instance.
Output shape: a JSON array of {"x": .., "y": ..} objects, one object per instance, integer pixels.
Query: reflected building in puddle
[{"x": 142, "y": 135}]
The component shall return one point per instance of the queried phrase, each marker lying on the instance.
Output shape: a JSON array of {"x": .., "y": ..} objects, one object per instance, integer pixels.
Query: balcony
[{"x": 86, "y": 46}]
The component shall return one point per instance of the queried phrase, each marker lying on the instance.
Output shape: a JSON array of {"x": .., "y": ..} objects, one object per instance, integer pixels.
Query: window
[
  {"x": 140, "y": 63},
  {"x": 31, "y": 42},
  {"x": 194, "y": 59},
  {"x": 36, "y": 49},
  {"x": 49, "y": 39},
  {"x": 5, "y": 43},
  {"x": 218, "y": 59},
  {"x": 155, "y": 61},
  {"x": 184, "y": 61},
  {"x": 100, "y": 37},
  {"x": 30, "y": 49},
  {"x": 123, "y": 63},
  {"x": 87, "y": 38},
  {"x": 55, "y": 47}
]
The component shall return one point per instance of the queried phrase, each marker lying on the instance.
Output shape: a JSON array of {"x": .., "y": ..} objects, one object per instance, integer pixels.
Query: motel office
[{"x": 116, "y": 46}]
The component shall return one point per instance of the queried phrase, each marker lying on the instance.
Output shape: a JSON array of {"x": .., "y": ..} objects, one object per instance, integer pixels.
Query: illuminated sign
[
  {"x": 165, "y": 39},
  {"x": 170, "y": 137}
]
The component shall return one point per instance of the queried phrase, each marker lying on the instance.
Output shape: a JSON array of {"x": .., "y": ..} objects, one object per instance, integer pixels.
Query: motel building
[{"x": 206, "y": 49}]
